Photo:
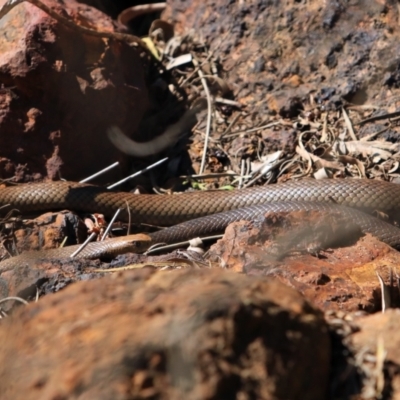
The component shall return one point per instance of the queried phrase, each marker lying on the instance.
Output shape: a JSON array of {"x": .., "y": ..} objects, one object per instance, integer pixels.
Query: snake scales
[
  {"x": 169, "y": 210},
  {"x": 206, "y": 212}
]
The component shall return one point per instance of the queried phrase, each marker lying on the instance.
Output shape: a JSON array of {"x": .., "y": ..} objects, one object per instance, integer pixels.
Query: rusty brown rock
[
  {"x": 189, "y": 334},
  {"x": 47, "y": 231},
  {"x": 60, "y": 90},
  {"x": 276, "y": 55},
  {"x": 44, "y": 277},
  {"x": 326, "y": 259}
]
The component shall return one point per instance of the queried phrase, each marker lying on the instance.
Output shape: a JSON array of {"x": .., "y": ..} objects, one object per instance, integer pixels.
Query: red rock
[
  {"x": 287, "y": 247},
  {"x": 190, "y": 334},
  {"x": 283, "y": 52},
  {"x": 47, "y": 231},
  {"x": 61, "y": 90}
]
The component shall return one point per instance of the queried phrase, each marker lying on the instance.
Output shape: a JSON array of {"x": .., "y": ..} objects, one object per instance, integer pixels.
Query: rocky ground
[{"x": 273, "y": 310}]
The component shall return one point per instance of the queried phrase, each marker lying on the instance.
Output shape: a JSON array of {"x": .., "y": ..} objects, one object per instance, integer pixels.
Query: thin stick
[
  {"x": 84, "y": 244},
  {"x": 242, "y": 166},
  {"x": 13, "y": 298},
  {"x": 189, "y": 76},
  {"x": 99, "y": 173},
  {"x": 257, "y": 128},
  {"x": 64, "y": 241},
  {"x": 154, "y": 249},
  {"x": 137, "y": 173},
  {"x": 228, "y": 102},
  {"x": 128, "y": 209},
  {"x": 349, "y": 125},
  {"x": 209, "y": 176},
  {"x": 379, "y": 118},
  {"x": 232, "y": 123},
  {"x": 255, "y": 179},
  {"x": 110, "y": 224},
  {"x": 132, "y": 12},
  {"x": 209, "y": 112}
]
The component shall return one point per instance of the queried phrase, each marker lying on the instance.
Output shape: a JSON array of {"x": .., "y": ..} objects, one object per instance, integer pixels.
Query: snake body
[
  {"x": 173, "y": 209},
  {"x": 108, "y": 248},
  {"x": 168, "y": 210},
  {"x": 207, "y": 212}
]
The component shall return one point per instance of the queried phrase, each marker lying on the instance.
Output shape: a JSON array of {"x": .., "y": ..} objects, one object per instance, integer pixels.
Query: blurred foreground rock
[
  {"x": 177, "y": 335},
  {"x": 377, "y": 349}
]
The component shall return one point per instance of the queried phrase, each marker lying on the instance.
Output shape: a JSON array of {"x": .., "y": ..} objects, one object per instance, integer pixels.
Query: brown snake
[
  {"x": 169, "y": 210},
  {"x": 321, "y": 195}
]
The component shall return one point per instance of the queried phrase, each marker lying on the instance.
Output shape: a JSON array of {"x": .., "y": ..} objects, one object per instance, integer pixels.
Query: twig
[
  {"x": 379, "y": 118},
  {"x": 13, "y": 298},
  {"x": 154, "y": 248},
  {"x": 209, "y": 112},
  {"x": 132, "y": 12},
  {"x": 324, "y": 134},
  {"x": 306, "y": 154},
  {"x": 242, "y": 166},
  {"x": 84, "y": 244},
  {"x": 99, "y": 173},
  {"x": 232, "y": 123},
  {"x": 196, "y": 68},
  {"x": 209, "y": 139},
  {"x": 381, "y": 354},
  {"x": 257, "y": 128},
  {"x": 349, "y": 125},
  {"x": 128, "y": 209},
  {"x": 137, "y": 173},
  {"x": 228, "y": 102},
  {"x": 209, "y": 176},
  {"x": 248, "y": 184},
  {"x": 110, "y": 224},
  {"x": 63, "y": 242}
]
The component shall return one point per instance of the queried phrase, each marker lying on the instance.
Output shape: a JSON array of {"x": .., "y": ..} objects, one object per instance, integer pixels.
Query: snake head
[{"x": 139, "y": 243}]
